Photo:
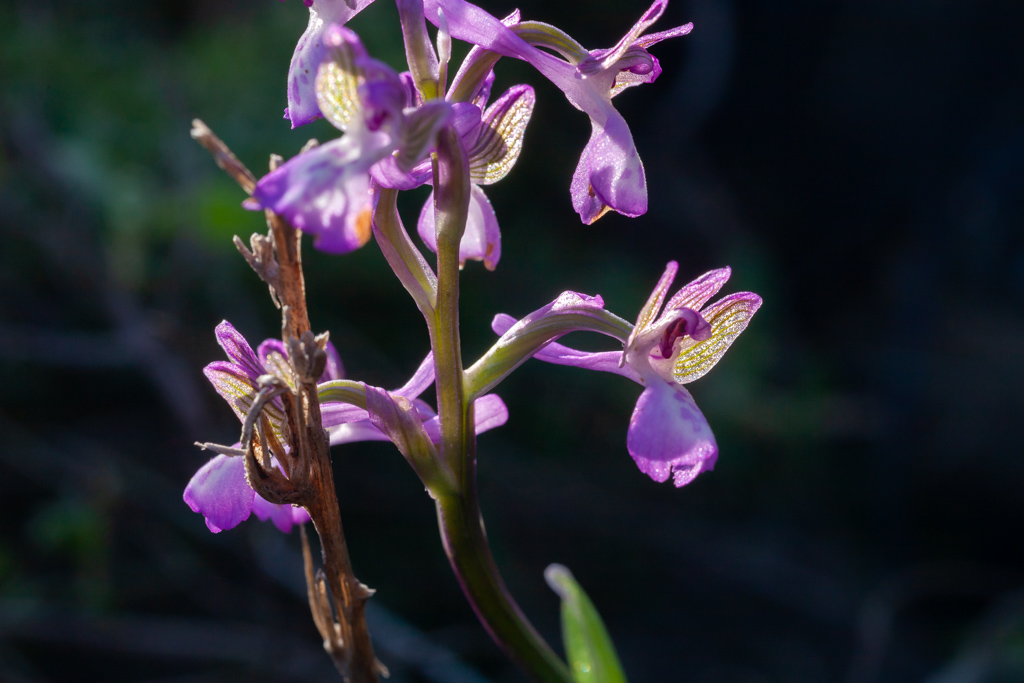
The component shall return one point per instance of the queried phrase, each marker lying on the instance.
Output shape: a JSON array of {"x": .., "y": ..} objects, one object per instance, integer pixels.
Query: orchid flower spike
[
  {"x": 668, "y": 435},
  {"x": 610, "y": 175},
  {"x": 326, "y": 190}
]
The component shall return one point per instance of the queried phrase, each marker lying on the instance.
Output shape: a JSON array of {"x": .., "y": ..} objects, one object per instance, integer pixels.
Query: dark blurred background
[{"x": 859, "y": 164}]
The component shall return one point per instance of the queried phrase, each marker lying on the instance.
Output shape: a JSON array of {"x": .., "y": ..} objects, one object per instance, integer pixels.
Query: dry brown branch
[{"x": 337, "y": 598}]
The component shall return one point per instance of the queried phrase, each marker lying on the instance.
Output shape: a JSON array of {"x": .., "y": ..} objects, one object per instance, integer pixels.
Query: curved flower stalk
[
  {"x": 326, "y": 190},
  {"x": 310, "y": 52},
  {"x": 219, "y": 490},
  {"x": 668, "y": 435},
  {"x": 610, "y": 175}
]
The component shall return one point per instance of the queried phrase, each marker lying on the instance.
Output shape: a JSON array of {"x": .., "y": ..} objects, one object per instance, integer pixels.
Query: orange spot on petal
[{"x": 363, "y": 225}]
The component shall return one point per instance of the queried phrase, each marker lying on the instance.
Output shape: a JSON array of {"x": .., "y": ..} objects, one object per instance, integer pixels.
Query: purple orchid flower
[
  {"x": 668, "y": 435},
  {"x": 219, "y": 490},
  {"x": 326, "y": 190},
  {"x": 493, "y": 138},
  {"x": 310, "y": 52},
  {"x": 610, "y": 175}
]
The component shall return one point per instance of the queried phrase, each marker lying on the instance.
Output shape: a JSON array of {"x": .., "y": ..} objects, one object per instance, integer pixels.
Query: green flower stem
[
  {"x": 465, "y": 542},
  {"x": 458, "y": 513},
  {"x": 451, "y": 209}
]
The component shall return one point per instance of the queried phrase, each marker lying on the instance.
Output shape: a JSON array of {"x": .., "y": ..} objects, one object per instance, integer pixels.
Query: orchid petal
[
  {"x": 601, "y": 60},
  {"x": 499, "y": 140},
  {"x": 238, "y": 350},
  {"x": 653, "y": 306},
  {"x": 387, "y": 173},
  {"x": 333, "y": 370},
  {"x": 334, "y": 414},
  {"x": 284, "y": 517},
  {"x": 668, "y": 435},
  {"x": 352, "y": 432},
  {"x": 482, "y": 239},
  {"x": 233, "y": 384},
  {"x": 310, "y": 52},
  {"x": 337, "y": 78},
  {"x": 697, "y": 293},
  {"x": 420, "y": 380},
  {"x": 610, "y": 175},
  {"x": 728, "y": 317},
  {"x": 489, "y": 412},
  {"x": 419, "y": 133},
  {"x": 326, "y": 191},
  {"x": 220, "y": 493}
]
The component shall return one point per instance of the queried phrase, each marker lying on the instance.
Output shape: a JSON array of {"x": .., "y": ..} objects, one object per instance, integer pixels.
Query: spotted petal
[
  {"x": 668, "y": 435},
  {"x": 310, "y": 52}
]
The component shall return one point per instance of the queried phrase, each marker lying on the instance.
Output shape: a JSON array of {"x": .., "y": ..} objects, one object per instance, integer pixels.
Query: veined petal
[
  {"x": 334, "y": 369},
  {"x": 498, "y": 142},
  {"x": 482, "y": 239},
  {"x": 653, "y": 306},
  {"x": 668, "y": 435},
  {"x": 310, "y": 52},
  {"x": 337, "y": 79},
  {"x": 728, "y": 317},
  {"x": 697, "y": 293},
  {"x": 326, "y": 191},
  {"x": 238, "y": 350},
  {"x": 220, "y": 493},
  {"x": 234, "y": 386}
]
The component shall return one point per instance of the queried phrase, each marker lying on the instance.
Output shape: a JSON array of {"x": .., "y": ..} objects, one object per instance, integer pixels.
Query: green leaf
[{"x": 588, "y": 648}]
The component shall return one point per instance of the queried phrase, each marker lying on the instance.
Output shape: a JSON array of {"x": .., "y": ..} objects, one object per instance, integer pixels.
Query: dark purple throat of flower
[{"x": 691, "y": 324}]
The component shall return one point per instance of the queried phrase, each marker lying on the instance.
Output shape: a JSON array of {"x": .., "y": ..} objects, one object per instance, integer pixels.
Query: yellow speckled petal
[
  {"x": 337, "y": 79},
  {"x": 728, "y": 317},
  {"x": 500, "y": 138}
]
